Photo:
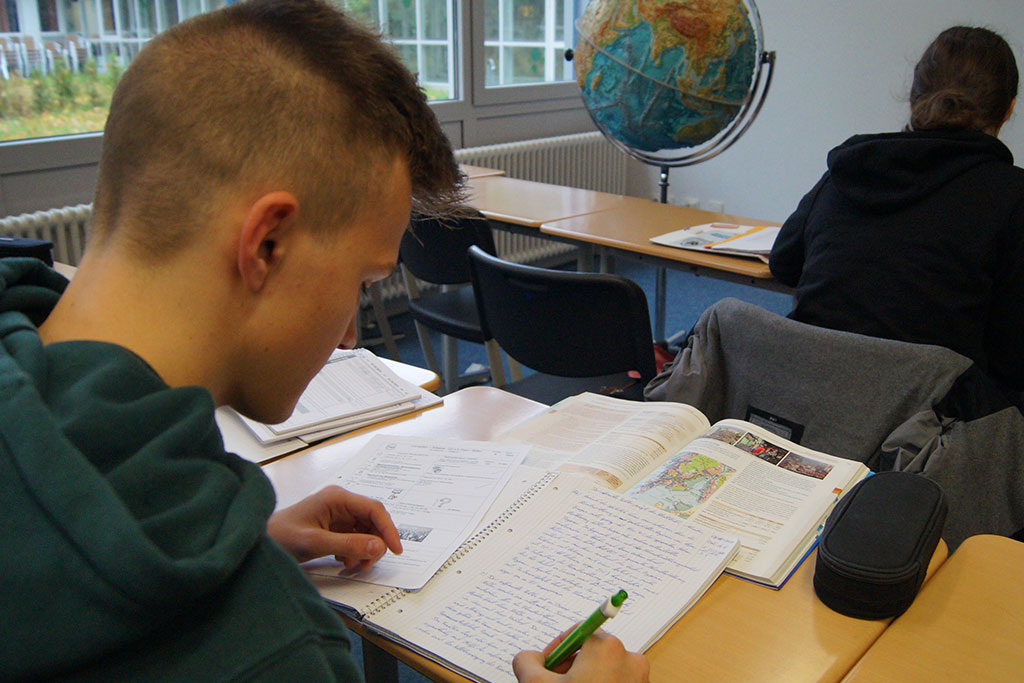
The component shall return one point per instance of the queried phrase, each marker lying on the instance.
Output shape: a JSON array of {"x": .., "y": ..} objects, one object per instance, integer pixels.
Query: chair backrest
[
  {"x": 842, "y": 393},
  {"x": 434, "y": 250},
  {"x": 563, "y": 323}
]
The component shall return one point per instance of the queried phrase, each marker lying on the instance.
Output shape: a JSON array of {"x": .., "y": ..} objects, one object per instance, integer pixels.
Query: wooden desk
[
  {"x": 65, "y": 269},
  {"x": 529, "y": 204},
  {"x": 737, "y": 631},
  {"x": 479, "y": 171},
  {"x": 741, "y": 631},
  {"x": 628, "y": 227},
  {"x": 967, "y": 624}
]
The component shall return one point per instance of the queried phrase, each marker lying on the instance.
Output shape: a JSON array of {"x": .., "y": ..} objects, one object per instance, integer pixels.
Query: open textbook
[
  {"x": 723, "y": 238},
  {"x": 553, "y": 546},
  {"x": 732, "y": 477}
]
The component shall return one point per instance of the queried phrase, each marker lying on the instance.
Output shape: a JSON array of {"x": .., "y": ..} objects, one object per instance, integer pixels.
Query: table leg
[
  {"x": 378, "y": 666},
  {"x": 585, "y": 258}
]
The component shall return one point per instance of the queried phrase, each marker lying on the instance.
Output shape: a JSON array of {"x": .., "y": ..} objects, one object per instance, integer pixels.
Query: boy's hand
[
  {"x": 602, "y": 658},
  {"x": 355, "y": 529}
]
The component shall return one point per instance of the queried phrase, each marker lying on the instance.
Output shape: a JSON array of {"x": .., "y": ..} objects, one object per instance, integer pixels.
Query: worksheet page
[{"x": 436, "y": 492}]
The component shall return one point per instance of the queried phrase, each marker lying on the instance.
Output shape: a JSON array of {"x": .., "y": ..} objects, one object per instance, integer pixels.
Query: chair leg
[
  {"x": 494, "y": 360},
  {"x": 514, "y": 369},
  {"x": 428, "y": 348},
  {"x": 660, "y": 286},
  {"x": 450, "y": 363}
]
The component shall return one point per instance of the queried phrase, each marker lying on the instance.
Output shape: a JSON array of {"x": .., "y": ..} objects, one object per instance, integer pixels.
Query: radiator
[
  {"x": 584, "y": 160},
  {"x": 67, "y": 228}
]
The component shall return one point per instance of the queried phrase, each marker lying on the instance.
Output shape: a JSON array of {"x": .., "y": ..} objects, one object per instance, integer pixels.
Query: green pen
[{"x": 608, "y": 609}]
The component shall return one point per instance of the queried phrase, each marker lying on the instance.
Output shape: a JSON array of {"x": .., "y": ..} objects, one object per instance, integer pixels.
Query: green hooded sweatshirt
[{"x": 133, "y": 547}]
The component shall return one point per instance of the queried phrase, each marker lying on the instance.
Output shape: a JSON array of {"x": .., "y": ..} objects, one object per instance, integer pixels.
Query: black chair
[
  {"x": 434, "y": 251},
  {"x": 579, "y": 331}
]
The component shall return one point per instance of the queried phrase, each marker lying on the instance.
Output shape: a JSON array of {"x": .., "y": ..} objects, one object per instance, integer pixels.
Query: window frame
[
  {"x": 483, "y": 95},
  {"x": 481, "y": 115}
]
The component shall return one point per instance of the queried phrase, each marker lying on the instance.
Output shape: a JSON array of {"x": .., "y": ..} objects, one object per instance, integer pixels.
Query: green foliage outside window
[{"x": 58, "y": 103}]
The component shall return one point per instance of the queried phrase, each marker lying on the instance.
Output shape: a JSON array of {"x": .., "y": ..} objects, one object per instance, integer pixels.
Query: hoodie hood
[
  {"x": 889, "y": 171},
  {"x": 141, "y": 517}
]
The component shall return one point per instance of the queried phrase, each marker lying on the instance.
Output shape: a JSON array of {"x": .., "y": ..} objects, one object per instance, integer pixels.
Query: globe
[{"x": 664, "y": 75}]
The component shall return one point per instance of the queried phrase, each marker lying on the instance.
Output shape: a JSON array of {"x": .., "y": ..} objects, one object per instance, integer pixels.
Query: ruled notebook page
[{"x": 550, "y": 565}]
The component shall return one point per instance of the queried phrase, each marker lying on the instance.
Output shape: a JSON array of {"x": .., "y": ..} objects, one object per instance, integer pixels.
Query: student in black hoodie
[{"x": 919, "y": 235}]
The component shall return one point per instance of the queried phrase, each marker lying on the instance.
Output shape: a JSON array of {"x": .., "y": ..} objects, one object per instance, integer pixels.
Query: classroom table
[
  {"x": 479, "y": 171},
  {"x": 737, "y": 631},
  {"x": 627, "y": 229},
  {"x": 528, "y": 204},
  {"x": 967, "y": 623},
  {"x": 521, "y": 206}
]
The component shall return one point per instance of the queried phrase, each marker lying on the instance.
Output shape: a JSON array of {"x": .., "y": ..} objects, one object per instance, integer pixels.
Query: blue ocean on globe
[{"x": 638, "y": 110}]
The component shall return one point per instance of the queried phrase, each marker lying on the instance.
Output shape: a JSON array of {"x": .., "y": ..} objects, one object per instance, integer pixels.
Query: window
[
  {"x": 56, "y": 85},
  {"x": 493, "y": 69},
  {"x": 423, "y": 32},
  {"x": 524, "y": 41}
]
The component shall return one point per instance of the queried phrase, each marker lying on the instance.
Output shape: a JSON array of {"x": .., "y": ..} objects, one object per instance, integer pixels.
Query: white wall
[{"x": 843, "y": 67}]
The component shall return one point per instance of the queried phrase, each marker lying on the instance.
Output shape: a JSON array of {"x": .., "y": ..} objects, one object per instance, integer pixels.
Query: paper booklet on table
[
  {"x": 552, "y": 548},
  {"x": 352, "y": 390},
  {"x": 723, "y": 238},
  {"x": 732, "y": 477}
]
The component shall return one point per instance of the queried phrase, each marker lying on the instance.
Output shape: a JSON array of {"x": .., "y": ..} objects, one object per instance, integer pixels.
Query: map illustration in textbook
[{"x": 686, "y": 481}]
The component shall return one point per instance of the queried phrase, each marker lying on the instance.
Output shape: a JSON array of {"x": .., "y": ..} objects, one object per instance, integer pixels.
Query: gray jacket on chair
[{"x": 890, "y": 404}]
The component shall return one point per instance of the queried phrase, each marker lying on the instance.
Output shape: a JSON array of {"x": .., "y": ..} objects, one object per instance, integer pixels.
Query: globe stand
[{"x": 663, "y": 183}]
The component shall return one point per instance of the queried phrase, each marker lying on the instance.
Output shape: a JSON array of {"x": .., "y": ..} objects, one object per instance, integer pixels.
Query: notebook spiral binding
[{"x": 395, "y": 594}]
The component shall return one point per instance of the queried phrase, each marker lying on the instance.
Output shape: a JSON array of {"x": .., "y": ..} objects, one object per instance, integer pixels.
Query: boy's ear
[{"x": 262, "y": 240}]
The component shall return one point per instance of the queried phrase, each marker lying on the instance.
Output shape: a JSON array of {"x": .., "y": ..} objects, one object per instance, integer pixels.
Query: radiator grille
[
  {"x": 584, "y": 160},
  {"x": 67, "y": 228}
]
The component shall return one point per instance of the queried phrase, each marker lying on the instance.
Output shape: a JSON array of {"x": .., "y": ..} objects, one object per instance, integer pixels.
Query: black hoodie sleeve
[{"x": 787, "y": 258}]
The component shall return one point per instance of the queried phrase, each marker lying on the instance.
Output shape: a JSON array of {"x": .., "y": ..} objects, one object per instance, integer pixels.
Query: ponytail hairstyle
[{"x": 966, "y": 80}]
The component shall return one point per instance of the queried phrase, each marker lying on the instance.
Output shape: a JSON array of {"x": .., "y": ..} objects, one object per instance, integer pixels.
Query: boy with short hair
[{"x": 259, "y": 167}]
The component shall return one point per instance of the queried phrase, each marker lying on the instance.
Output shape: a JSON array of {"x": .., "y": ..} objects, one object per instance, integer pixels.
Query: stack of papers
[
  {"x": 723, "y": 238},
  {"x": 352, "y": 390}
]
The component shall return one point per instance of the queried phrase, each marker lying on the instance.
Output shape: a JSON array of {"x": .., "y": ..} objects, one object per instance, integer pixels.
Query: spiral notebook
[{"x": 539, "y": 566}]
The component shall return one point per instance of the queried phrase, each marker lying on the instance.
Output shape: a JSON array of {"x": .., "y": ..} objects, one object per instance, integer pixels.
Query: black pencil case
[{"x": 874, "y": 551}]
